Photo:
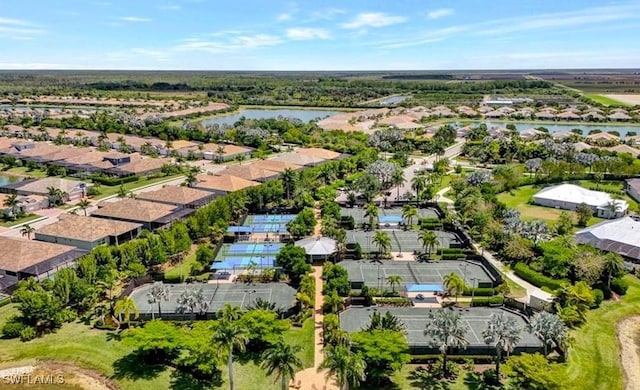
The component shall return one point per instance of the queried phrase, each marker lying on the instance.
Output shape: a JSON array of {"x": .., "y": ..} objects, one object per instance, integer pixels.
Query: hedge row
[
  {"x": 537, "y": 279},
  {"x": 5, "y": 301},
  {"x": 113, "y": 181},
  {"x": 451, "y": 250},
  {"x": 479, "y": 292},
  {"x": 487, "y": 301},
  {"x": 397, "y": 302},
  {"x": 452, "y": 256}
]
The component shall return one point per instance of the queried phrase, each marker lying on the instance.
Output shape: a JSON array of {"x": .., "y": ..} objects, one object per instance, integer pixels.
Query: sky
[{"x": 319, "y": 35}]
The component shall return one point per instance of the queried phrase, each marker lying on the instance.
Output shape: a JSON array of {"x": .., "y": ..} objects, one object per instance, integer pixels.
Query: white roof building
[
  {"x": 320, "y": 247},
  {"x": 570, "y": 196},
  {"x": 621, "y": 236}
]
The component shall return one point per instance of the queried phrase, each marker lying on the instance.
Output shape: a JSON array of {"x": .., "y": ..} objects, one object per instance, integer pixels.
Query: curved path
[{"x": 628, "y": 330}]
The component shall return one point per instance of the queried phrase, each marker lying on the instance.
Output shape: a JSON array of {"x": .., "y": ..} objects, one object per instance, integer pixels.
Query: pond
[
  {"x": 6, "y": 179},
  {"x": 393, "y": 100},
  {"x": 251, "y": 113},
  {"x": 554, "y": 128}
]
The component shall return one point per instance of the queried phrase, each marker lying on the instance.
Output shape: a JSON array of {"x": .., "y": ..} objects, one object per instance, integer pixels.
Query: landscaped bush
[
  {"x": 479, "y": 292},
  {"x": 394, "y": 302},
  {"x": 12, "y": 328},
  {"x": 4, "y": 302},
  {"x": 451, "y": 250},
  {"x": 619, "y": 286},
  {"x": 113, "y": 181},
  {"x": 28, "y": 333},
  {"x": 598, "y": 296},
  {"x": 536, "y": 278},
  {"x": 487, "y": 301},
  {"x": 452, "y": 256}
]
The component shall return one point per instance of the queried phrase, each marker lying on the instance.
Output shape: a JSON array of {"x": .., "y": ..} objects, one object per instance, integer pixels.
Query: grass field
[
  {"x": 182, "y": 268},
  {"x": 142, "y": 182},
  {"x": 27, "y": 218},
  {"x": 97, "y": 350},
  {"x": 607, "y": 101},
  {"x": 594, "y": 356},
  {"x": 24, "y": 171}
]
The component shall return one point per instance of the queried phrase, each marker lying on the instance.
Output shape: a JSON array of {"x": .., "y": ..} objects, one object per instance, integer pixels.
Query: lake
[
  {"x": 251, "y": 113},
  {"x": 6, "y": 179},
  {"x": 554, "y": 128}
]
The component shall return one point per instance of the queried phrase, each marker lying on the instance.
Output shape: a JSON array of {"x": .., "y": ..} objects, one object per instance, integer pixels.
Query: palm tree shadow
[
  {"x": 113, "y": 336},
  {"x": 474, "y": 381},
  {"x": 133, "y": 366},
  {"x": 183, "y": 381}
]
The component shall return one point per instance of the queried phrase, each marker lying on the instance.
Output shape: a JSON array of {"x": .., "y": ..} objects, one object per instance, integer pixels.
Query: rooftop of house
[
  {"x": 319, "y": 152},
  {"x": 134, "y": 210},
  {"x": 18, "y": 254},
  {"x": 227, "y": 149},
  {"x": 227, "y": 183},
  {"x": 249, "y": 172},
  {"x": 88, "y": 229},
  {"x": 575, "y": 194},
  {"x": 175, "y": 194},
  {"x": 634, "y": 183},
  {"x": 603, "y": 136},
  {"x": 40, "y": 186}
]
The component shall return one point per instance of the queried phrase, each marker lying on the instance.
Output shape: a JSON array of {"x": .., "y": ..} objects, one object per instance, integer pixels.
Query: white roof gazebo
[{"x": 318, "y": 247}]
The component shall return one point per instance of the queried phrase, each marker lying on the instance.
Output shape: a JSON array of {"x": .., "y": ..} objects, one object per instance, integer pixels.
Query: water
[
  {"x": 554, "y": 128},
  {"x": 303, "y": 115},
  {"x": 393, "y": 100},
  {"x": 6, "y": 179}
]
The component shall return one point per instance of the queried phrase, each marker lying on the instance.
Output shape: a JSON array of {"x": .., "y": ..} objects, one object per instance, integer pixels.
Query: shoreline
[{"x": 628, "y": 331}]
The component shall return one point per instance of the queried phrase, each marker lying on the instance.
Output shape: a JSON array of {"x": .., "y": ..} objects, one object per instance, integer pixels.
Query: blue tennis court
[
  {"x": 263, "y": 218},
  {"x": 255, "y": 248},
  {"x": 233, "y": 262},
  {"x": 258, "y": 228}
]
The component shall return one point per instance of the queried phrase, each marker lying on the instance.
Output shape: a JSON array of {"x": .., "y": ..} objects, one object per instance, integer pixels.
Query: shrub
[
  {"x": 487, "y": 301},
  {"x": 28, "y": 333},
  {"x": 619, "y": 286},
  {"x": 598, "y": 296},
  {"x": 479, "y": 292},
  {"x": 536, "y": 278},
  {"x": 113, "y": 181},
  {"x": 67, "y": 315},
  {"x": 396, "y": 302},
  {"x": 451, "y": 250},
  {"x": 452, "y": 256},
  {"x": 4, "y": 302},
  {"x": 13, "y": 327}
]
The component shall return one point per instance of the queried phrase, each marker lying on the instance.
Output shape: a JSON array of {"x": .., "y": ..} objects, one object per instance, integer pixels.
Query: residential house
[
  {"x": 72, "y": 188},
  {"x": 150, "y": 214},
  {"x": 221, "y": 185},
  {"x": 632, "y": 188},
  {"x": 178, "y": 196}
]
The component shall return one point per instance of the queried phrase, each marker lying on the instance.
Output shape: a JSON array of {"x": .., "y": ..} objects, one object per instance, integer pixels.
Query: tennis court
[
  {"x": 269, "y": 218},
  {"x": 374, "y": 273},
  {"x": 251, "y": 248},
  {"x": 258, "y": 228},
  {"x": 401, "y": 240},
  {"x": 242, "y": 295},
  {"x": 415, "y": 319},
  {"x": 242, "y": 262},
  {"x": 390, "y": 216}
]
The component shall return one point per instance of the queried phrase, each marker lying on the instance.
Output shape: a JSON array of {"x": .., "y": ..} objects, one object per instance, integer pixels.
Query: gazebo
[{"x": 318, "y": 248}]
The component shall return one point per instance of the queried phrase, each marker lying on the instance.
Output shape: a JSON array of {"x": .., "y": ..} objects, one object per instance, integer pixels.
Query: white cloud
[
  {"x": 170, "y": 7},
  {"x": 134, "y": 19},
  {"x": 18, "y": 29},
  {"x": 327, "y": 14},
  {"x": 283, "y": 17},
  {"x": 232, "y": 43},
  {"x": 14, "y": 22},
  {"x": 373, "y": 19},
  {"x": 305, "y": 34},
  {"x": 440, "y": 13}
]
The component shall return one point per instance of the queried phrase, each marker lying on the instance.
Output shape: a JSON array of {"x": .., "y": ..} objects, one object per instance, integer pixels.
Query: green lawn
[
  {"x": 607, "y": 101},
  {"x": 183, "y": 268},
  {"x": 594, "y": 356},
  {"x": 142, "y": 182},
  {"x": 28, "y": 218},
  {"x": 24, "y": 171},
  {"x": 78, "y": 344}
]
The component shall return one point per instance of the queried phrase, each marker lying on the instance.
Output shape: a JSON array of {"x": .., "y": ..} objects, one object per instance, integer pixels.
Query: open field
[
  {"x": 594, "y": 356},
  {"x": 99, "y": 350},
  {"x": 632, "y": 100},
  {"x": 609, "y": 100}
]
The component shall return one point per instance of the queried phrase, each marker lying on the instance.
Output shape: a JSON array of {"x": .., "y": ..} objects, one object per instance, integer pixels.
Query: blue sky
[{"x": 318, "y": 35}]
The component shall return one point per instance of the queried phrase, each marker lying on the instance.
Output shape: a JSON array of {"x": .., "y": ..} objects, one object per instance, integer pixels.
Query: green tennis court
[{"x": 401, "y": 240}]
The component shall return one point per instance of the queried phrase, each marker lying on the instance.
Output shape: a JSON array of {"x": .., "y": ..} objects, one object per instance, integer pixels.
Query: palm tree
[
  {"x": 347, "y": 367},
  {"x": 157, "y": 293},
  {"x": 220, "y": 153},
  {"x": 12, "y": 202},
  {"x": 394, "y": 281},
  {"x": 216, "y": 232},
  {"x": 453, "y": 284},
  {"x": 84, "y": 205},
  {"x": 409, "y": 213},
  {"x": 372, "y": 212},
  {"x": 126, "y": 307},
  {"x": 446, "y": 330},
  {"x": 503, "y": 333},
  {"x": 383, "y": 241},
  {"x": 230, "y": 336},
  {"x": 418, "y": 184},
  {"x": 550, "y": 329},
  {"x": 288, "y": 181},
  {"x": 27, "y": 230},
  {"x": 190, "y": 178},
  {"x": 230, "y": 312},
  {"x": 429, "y": 241},
  {"x": 397, "y": 179},
  {"x": 282, "y": 360},
  {"x": 333, "y": 302},
  {"x": 613, "y": 265}
]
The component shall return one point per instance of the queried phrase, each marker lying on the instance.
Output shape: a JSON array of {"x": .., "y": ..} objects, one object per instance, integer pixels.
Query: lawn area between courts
[
  {"x": 519, "y": 198},
  {"x": 182, "y": 268},
  {"x": 95, "y": 349},
  {"x": 594, "y": 355}
]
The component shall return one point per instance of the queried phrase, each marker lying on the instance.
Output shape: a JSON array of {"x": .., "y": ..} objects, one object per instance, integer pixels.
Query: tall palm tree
[
  {"x": 27, "y": 230},
  {"x": 397, "y": 179},
  {"x": 288, "y": 181},
  {"x": 372, "y": 212},
  {"x": 12, "y": 202},
  {"x": 348, "y": 368},
  {"x": 126, "y": 307},
  {"x": 446, "y": 330},
  {"x": 282, "y": 360},
  {"x": 409, "y": 213},
  {"x": 503, "y": 333},
  {"x": 394, "y": 281},
  {"x": 230, "y": 312},
  {"x": 550, "y": 329},
  {"x": 220, "y": 153},
  {"x": 429, "y": 241},
  {"x": 453, "y": 284},
  {"x": 84, "y": 205},
  {"x": 190, "y": 178},
  {"x": 383, "y": 241},
  {"x": 418, "y": 184},
  {"x": 230, "y": 336},
  {"x": 613, "y": 265},
  {"x": 157, "y": 293},
  {"x": 333, "y": 302}
]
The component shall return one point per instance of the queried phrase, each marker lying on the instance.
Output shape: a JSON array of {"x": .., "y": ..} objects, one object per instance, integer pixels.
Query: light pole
[
  {"x": 473, "y": 289},
  {"x": 379, "y": 283},
  {"x": 464, "y": 272}
]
